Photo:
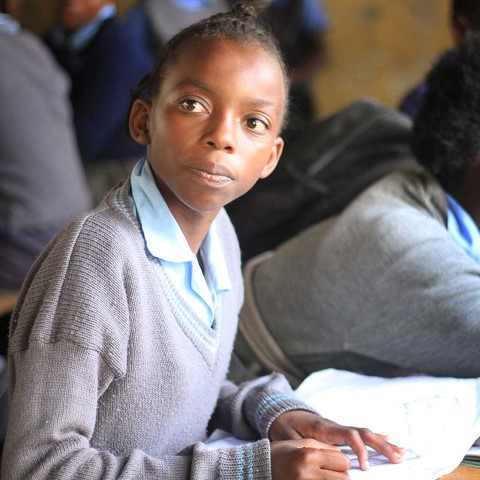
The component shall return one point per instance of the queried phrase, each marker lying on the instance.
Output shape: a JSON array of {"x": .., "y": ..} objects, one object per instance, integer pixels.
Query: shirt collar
[
  {"x": 8, "y": 24},
  {"x": 191, "y": 5},
  {"x": 463, "y": 228},
  {"x": 83, "y": 35},
  {"x": 163, "y": 236}
]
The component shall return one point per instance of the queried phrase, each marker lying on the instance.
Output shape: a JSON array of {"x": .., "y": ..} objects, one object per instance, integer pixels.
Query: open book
[{"x": 436, "y": 419}]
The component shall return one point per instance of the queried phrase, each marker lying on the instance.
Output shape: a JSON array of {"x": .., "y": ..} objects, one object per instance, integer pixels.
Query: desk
[
  {"x": 7, "y": 302},
  {"x": 463, "y": 473}
]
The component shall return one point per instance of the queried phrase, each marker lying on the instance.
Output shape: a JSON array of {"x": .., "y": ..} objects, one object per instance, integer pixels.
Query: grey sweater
[
  {"x": 42, "y": 183},
  {"x": 383, "y": 289},
  {"x": 113, "y": 376}
]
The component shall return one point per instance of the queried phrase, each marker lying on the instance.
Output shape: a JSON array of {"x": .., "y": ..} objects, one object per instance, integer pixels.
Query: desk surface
[{"x": 463, "y": 473}]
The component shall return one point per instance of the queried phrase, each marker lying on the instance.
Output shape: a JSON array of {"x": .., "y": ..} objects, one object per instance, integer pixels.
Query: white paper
[{"x": 435, "y": 419}]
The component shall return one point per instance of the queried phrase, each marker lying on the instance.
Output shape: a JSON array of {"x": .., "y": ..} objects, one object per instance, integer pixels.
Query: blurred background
[{"x": 377, "y": 48}]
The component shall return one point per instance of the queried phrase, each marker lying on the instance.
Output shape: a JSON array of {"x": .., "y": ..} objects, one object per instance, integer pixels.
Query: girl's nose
[{"x": 221, "y": 133}]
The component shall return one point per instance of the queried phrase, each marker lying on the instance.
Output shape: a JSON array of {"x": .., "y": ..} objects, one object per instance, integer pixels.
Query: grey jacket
[{"x": 381, "y": 289}]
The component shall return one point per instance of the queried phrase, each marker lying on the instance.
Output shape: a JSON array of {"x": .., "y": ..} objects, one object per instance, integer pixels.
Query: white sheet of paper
[{"x": 435, "y": 419}]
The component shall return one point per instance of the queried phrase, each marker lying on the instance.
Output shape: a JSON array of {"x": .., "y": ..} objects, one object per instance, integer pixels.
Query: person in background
[
  {"x": 42, "y": 183},
  {"x": 122, "y": 335},
  {"x": 391, "y": 286},
  {"x": 301, "y": 27},
  {"x": 465, "y": 20},
  {"x": 104, "y": 59}
]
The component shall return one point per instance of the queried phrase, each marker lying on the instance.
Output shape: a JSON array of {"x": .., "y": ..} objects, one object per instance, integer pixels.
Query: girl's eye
[
  {"x": 193, "y": 106},
  {"x": 257, "y": 125}
]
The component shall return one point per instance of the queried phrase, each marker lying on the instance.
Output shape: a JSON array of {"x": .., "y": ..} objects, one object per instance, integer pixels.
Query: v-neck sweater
[{"x": 112, "y": 375}]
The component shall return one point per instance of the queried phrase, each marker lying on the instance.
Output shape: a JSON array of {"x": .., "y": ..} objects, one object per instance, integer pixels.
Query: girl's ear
[
  {"x": 275, "y": 155},
  {"x": 138, "y": 121}
]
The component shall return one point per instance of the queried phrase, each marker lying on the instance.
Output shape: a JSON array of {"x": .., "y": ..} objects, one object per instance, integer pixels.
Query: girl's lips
[{"x": 214, "y": 173}]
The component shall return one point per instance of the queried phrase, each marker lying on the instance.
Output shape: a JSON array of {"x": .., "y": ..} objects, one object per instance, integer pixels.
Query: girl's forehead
[
  {"x": 219, "y": 46},
  {"x": 224, "y": 56}
]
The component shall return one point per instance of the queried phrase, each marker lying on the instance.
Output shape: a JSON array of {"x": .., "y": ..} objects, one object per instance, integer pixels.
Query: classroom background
[{"x": 377, "y": 48}]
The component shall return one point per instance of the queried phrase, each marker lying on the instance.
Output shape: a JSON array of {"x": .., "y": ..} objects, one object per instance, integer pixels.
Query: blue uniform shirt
[
  {"x": 165, "y": 240},
  {"x": 191, "y": 5},
  {"x": 8, "y": 25},
  {"x": 463, "y": 228}
]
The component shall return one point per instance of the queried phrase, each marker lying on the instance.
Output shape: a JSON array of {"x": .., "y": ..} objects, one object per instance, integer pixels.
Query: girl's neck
[{"x": 194, "y": 225}]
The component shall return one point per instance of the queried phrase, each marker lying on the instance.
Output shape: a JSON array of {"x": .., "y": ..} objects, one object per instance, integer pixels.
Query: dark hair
[
  {"x": 446, "y": 131},
  {"x": 469, "y": 8},
  {"x": 241, "y": 25}
]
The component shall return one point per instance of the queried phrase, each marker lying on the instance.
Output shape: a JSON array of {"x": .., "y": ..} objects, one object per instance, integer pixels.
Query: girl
[{"x": 121, "y": 339}]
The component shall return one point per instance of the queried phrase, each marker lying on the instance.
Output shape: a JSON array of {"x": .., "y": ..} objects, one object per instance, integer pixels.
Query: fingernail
[{"x": 367, "y": 464}]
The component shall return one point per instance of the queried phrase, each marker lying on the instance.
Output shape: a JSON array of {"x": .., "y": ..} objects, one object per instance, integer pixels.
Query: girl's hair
[{"x": 240, "y": 25}]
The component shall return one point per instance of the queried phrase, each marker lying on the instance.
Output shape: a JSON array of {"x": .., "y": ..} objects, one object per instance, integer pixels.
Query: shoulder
[
  {"x": 122, "y": 45},
  {"x": 409, "y": 189},
  {"x": 77, "y": 290},
  {"x": 398, "y": 213},
  {"x": 27, "y": 52}
]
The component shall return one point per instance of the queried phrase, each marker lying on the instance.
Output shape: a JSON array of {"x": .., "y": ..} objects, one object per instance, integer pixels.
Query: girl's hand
[
  {"x": 308, "y": 459},
  {"x": 298, "y": 424}
]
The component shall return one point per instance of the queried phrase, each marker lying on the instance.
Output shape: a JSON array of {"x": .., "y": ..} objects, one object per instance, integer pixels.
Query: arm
[
  {"x": 302, "y": 440},
  {"x": 55, "y": 400},
  {"x": 249, "y": 410}
]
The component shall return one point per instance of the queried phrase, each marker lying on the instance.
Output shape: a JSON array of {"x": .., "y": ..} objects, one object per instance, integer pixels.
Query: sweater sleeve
[
  {"x": 59, "y": 384},
  {"x": 249, "y": 410},
  {"x": 69, "y": 350}
]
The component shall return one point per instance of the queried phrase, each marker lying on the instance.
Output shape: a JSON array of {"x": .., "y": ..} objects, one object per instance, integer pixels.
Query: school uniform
[{"x": 115, "y": 373}]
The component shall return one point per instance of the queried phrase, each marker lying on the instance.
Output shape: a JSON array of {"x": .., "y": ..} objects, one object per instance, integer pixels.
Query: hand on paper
[
  {"x": 298, "y": 424},
  {"x": 307, "y": 459}
]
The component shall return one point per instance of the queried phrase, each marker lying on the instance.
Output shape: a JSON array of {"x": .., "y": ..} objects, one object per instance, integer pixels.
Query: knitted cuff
[
  {"x": 247, "y": 462},
  {"x": 271, "y": 406}
]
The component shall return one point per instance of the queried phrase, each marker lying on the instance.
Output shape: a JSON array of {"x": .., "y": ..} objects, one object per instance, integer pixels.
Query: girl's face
[{"x": 212, "y": 130}]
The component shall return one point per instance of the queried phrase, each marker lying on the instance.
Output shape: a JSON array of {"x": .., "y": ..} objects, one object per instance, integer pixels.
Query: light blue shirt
[
  {"x": 165, "y": 241},
  {"x": 8, "y": 25},
  {"x": 192, "y": 5},
  {"x": 463, "y": 228},
  {"x": 82, "y": 36}
]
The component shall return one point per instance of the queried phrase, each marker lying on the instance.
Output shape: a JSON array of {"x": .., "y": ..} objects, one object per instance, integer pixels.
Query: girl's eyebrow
[
  {"x": 191, "y": 82},
  {"x": 254, "y": 102}
]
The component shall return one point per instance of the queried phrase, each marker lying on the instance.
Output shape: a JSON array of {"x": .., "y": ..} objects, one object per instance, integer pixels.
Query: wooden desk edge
[{"x": 463, "y": 473}]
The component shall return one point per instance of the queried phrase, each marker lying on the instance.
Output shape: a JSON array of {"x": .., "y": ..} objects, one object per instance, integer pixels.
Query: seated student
[
  {"x": 391, "y": 285},
  {"x": 122, "y": 336},
  {"x": 465, "y": 19},
  {"x": 104, "y": 59},
  {"x": 159, "y": 20},
  {"x": 42, "y": 184}
]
